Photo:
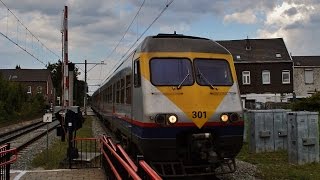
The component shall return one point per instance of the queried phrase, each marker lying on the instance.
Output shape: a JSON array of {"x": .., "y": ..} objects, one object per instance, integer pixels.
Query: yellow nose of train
[{"x": 198, "y": 102}]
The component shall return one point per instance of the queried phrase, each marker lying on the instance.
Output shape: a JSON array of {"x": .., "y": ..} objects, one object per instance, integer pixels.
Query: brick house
[
  {"x": 34, "y": 80},
  {"x": 306, "y": 75},
  {"x": 264, "y": 70}
]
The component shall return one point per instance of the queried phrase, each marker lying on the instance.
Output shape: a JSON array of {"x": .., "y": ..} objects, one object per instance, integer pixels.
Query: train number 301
[{"x": 199, "y": 114}]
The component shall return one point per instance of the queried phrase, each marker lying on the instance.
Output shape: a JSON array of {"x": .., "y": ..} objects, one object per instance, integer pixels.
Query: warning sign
[{"x": 47, "y": 117}]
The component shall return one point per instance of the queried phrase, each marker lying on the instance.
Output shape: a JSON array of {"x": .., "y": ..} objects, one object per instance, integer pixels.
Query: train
[{"x": 175, "y": 100}]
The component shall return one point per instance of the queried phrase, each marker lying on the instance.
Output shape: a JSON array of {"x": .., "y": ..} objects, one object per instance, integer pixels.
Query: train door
[{"x": 137, "y": 113}]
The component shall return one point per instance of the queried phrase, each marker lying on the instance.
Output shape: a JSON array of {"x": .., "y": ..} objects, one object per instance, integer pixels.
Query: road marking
[{"x": 20, "y": 175}]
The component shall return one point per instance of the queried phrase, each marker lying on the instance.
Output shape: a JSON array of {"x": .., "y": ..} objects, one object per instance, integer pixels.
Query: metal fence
[
  {"x": 88, "y": 153},
  {"x": 7, "y": 156},
  {"x": 118, "y": 164}
]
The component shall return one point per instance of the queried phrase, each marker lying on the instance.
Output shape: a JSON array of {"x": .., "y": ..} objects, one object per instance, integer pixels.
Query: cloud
[
  {"x": 298, "y": 23},
  {"x": 42, "y": 6},
  {"x": 95, "y": 27},
  {"x": 246, "y": 17}
]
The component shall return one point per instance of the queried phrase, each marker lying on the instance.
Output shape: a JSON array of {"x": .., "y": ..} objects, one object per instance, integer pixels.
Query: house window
[
  {"x": 285, "y": 77},
  {"x": 266, "y": 77},
  {"x": 29, "y": 90},
  {"x": 308, "y": 76},
  {"x": 245, "y": 77},
  {"x": 39, "y": 89}
]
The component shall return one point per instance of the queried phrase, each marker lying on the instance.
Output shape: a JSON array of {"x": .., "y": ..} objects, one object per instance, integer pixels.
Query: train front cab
[{"x": 181, "y": 84}]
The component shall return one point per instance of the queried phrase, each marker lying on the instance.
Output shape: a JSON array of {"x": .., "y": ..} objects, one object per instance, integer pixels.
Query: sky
[{"x": 95, "y": 28}]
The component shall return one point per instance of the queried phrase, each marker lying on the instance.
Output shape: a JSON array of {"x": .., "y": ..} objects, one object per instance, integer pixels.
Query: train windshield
[
  {"x": 213, "y": 72},
  {"x": 171, "y": 72}
]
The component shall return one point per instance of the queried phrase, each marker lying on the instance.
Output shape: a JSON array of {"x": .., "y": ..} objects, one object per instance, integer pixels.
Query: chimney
[{"x": 248, "y": 45}]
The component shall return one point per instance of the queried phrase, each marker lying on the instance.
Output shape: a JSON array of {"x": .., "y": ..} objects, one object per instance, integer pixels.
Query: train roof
[{"x": 180, "y": 43}]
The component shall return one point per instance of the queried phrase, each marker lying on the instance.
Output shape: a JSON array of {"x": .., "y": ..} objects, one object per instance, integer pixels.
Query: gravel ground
[
  {"x": 245, "y": 171},
  {"x": 97, "y": 128},
  {"x": 25, "y": 156}
]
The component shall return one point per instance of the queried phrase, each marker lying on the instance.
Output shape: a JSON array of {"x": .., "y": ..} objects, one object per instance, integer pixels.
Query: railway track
[{"x": 22, "y": 137}]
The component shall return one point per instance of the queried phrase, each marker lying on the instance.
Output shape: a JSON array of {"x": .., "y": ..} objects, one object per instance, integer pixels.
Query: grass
[
  {"x": 58, "y": 150},
  {"x": 274, "y": 165}
]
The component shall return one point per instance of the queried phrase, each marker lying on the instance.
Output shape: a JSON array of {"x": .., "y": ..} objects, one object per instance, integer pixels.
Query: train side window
[
  {"x": 136, "y": 74},
  {"x": 106, "y": 96},
  {"x": 128, "y": 89},
  {"x": 122, "y": 91},
  {"x": 113, "y": 93},
  {"x": 110, "y": 94},
  {"x": 118, "y": 92}
]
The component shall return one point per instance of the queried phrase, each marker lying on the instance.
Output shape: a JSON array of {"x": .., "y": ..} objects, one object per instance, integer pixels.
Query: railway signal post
[{"x": 47, "y": 118}]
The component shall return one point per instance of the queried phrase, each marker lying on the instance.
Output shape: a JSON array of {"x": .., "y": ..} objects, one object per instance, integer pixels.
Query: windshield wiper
[
  {"x": 207, "y": 81},
  {"x": 184, "y": 79}
]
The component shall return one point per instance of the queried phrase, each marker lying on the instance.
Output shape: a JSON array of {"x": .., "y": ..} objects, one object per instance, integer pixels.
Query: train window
[
  {"x": 171, "y": 72},
  {"x": 105, "y": 99},
  {"x": 118, "y": 92},
  {"x": 128, "y": 89},
  {"x": 213, "y": 72},
  {"x": 114, "y": 93},
  {"x": 136, "y": 73},
  {"x": 122, "y": 91},
  {"x": 110, "y": 94}
]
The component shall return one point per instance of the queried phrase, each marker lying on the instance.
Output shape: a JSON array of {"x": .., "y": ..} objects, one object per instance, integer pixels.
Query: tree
[
  {"x": 15, "y": 103},
  {"x": 56, "y": 74},
  {"x": 18, "y": 66}
]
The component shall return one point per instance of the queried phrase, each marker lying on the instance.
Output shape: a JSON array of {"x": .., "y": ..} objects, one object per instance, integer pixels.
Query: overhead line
[
  {"x": 80, "y": 68},
  {"x": 125, "y": 54},
  {"x": 126, "y": 30},
  {"x": 92, "y": 67},
  {"x": 22, "y": 48},
  {"x": 164, "y": 9},
  {"x": 29, "y": 32},
  {"x": 122, "y": 37}
]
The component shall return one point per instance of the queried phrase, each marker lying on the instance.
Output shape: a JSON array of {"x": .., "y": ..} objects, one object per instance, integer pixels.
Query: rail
[
  {"x": 121, "y": 165},
  {"x": 7, "y": 157},
  {"x": 10, "y": 135}
]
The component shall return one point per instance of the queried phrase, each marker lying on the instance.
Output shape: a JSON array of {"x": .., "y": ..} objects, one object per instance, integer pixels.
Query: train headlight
[
  {"x": 160, "y": 119},
  {"x": 224, "y": 117},
  {"x": 234, "y": 117},
  {"x": 172, "y": 119}
]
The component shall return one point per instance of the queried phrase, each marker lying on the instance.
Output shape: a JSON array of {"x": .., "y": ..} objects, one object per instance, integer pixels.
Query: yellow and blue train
[{"x": 175, "y": 100}]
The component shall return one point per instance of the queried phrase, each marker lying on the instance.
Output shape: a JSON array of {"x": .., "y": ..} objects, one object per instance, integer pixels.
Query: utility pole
[
  {"x": 85, "y": 80},
  {"x": 85, "y": 87},
  {"x": 65, "y": 62}
]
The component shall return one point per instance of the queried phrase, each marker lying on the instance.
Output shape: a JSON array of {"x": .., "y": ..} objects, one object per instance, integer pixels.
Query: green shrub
[
  {"x": 308, "y": 104},
  {"x": 15, "y": 104}
]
